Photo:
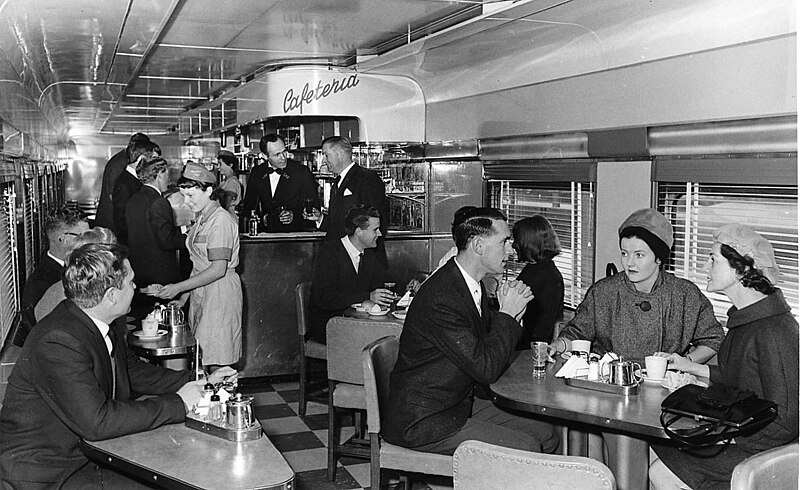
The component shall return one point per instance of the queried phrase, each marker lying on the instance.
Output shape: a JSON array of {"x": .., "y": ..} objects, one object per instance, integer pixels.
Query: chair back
[
  {"x": 347, "y": 337},
  {"x": 478, "y": 465},
  {"x": 776, "y": 469},
  {"x": 378, "y": 359},
  {"x": 302, "y": 296}
]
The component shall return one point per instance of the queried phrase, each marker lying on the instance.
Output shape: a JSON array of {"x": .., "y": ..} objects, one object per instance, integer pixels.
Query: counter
[{"x": 272, "y": 264}]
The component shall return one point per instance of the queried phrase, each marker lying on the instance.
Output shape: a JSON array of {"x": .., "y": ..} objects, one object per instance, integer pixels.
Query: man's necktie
[
  {"x": 278, "y": 171},
  {"x": 360, "y": 263},
  {"x": 111, "y": 337}
]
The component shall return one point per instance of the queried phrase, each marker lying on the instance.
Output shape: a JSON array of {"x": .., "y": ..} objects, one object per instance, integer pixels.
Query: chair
[
  {"x": 346, "y": 338},
  {"x": 308, "y": 348},
  {"x": 478, "y": 465},
  {"x": 775, "y": 469},
  {"x": 379, "y": 358}
]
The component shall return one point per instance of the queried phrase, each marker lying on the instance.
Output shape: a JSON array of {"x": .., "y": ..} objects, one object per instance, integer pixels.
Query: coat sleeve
[
  {"x": 373, "y": 193},
  {"x": 70, "y": 386},
  {"x": 582, "y": 326},
  {"x": 708, "y": 331},
  {"x": 167, "y": 235},
  {"x": 451, "y": 330}
]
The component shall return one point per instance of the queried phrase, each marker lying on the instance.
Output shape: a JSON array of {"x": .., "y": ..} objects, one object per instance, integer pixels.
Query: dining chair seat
[
  {"x": 379, "y": 359},
  {"x": 479, "y": 465},
  {"x": 346, "y": 338},
  {"x": 776, "y": 469},
  {"x": 309, "y": 349}
]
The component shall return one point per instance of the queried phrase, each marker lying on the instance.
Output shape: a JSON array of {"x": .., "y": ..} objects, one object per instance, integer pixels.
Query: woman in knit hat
[
  {"x": 215, "y": 307},
  {"x": 645, "y": 309},
  {"x": 759, "y": 354}
]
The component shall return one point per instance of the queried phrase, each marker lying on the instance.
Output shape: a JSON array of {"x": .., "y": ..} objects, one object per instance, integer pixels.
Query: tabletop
[
  {"x": 635, "y": 414},
  {"x": 175, "y": 456}
]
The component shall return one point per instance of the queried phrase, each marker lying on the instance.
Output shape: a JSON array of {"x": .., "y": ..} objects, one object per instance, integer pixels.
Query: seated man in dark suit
[
  {"x": 454, "y": 345},
  {"x": 75, "y": 378},
  {"x": 156, "y": 240},
  {"x": 346, "y": 271},
  {"x": 61, "y": 228}
]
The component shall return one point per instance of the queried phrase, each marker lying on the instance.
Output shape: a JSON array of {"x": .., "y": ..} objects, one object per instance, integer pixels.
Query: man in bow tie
[{"x": 279, "y": 189}]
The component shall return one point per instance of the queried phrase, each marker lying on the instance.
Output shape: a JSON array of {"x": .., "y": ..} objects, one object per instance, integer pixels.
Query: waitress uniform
[{"x": 215, "y": 310}]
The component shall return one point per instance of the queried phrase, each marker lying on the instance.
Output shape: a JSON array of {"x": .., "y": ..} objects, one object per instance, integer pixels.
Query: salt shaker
[
  {"x": 594, "y": 369},
  {"x": 215, "y": 409}
]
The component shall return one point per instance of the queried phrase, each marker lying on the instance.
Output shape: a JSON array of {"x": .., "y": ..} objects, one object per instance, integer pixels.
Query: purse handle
[{"x": 704, "y": 436}]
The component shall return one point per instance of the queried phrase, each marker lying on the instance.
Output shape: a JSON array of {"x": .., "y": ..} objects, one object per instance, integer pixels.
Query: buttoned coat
[{"x": 295, "y": 185}]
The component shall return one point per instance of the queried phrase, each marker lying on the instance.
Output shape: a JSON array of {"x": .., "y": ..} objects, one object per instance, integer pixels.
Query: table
[
  {"x": 626, "y": 421},
  {"x": 177, "y": 457},
  {"x": 170, "y": 350},
  {"x": 353, "y": 313}
]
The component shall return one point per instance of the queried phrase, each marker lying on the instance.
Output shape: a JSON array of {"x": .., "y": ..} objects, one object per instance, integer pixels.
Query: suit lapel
[
  {"x": 463, "y": 290},
  {"x": 98, "y": 344}
]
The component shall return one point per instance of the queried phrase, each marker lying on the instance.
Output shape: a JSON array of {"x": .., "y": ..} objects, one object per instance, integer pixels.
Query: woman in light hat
[
  {"x": 215, "y": 307},
  {"x": 644, "y": 309},
  {"x": 759, "y": 353}
]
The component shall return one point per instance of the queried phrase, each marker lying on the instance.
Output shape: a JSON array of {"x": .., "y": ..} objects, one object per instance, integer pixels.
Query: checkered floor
[{"x": 302, "y": 441}]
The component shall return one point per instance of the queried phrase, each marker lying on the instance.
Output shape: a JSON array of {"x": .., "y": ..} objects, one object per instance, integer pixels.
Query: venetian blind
[
  {"x": 696, "y": 209},
  {"x": 570, "y": 208},
  {"x": 9, "y": 280}
]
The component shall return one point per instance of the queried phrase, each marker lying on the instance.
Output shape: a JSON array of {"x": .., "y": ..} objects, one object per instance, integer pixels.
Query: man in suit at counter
[
  {"x": 75, "y": 378},
  {"x": 354, "y": 185},
  {"x": 454, "y": 345},
  {"x": 347, "y": 271},
  {"x": 128, "y": 184},
  {"x": 114, "y": 167},
  {"x": 156, "y": 239},
  {"x": 61, "y": 228},
  {"x": 279, "y": 189}
]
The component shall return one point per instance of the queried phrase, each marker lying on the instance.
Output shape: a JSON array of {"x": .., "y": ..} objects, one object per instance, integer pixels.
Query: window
[
  {"x": 9, "y": 279},
  {"x": 570, "y": 207},
  {"x": 697, "y": 209}
]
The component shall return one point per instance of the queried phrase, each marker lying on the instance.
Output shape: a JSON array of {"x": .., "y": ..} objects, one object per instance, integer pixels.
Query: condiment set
[{"x": 225, "y": 415}]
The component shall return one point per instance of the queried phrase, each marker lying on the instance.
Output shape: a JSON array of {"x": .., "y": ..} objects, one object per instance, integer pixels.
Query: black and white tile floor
[{"x": 303, "y": 440}]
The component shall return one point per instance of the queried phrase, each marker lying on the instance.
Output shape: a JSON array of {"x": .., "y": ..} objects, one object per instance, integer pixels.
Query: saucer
[
  {"x": 141, "y": 335},
  {"x": 380, "y": 313},
  {"x": 400, "y": 315},
  {"x": 653, "y": 380}
]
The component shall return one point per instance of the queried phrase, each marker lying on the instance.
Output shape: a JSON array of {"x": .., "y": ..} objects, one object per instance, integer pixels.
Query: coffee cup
[
  {"x": 582, "y": 346},
  {"x": 149, "y": 327},
  {"x": 656, "y": 366}
]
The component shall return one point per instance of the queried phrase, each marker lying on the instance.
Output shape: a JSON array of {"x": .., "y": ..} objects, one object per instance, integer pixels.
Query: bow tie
[{"x": 278, "y": 171}]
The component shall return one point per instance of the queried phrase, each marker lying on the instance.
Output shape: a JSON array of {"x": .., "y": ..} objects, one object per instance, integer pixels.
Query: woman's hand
[
  {"x": 677, "y": 362},
  {"x": 225, "y": 373},
  {"x": 168, "y": 292}
]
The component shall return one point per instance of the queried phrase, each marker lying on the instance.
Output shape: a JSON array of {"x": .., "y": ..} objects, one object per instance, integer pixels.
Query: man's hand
[
  {"x": 513, "y": 297},
  {"x": 382, "y": 296},
  {"x": 286, "y": 216},
  {"x": 314, "y": 215},
  {"x": 191, "y": 393}
]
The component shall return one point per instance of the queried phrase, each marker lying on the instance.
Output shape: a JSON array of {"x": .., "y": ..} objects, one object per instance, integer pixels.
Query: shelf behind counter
[{"x": 272, "y": 264}]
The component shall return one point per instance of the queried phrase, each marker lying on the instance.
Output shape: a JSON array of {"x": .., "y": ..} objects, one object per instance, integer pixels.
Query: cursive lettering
[{"x": 292, "y": 101}]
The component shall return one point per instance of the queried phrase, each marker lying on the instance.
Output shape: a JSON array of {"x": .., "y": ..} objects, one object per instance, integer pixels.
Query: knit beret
[
  {"x": 653, "y": 228},
  {"x": 197, "y": 172},
  {"x": 748, "y": 243}
]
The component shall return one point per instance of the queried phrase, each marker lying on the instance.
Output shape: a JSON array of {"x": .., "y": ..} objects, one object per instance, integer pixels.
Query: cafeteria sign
[{"x": 292, "y": 101}]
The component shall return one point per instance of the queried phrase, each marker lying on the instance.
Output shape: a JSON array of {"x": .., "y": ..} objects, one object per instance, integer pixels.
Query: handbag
[{"x": 714, "y": 416}]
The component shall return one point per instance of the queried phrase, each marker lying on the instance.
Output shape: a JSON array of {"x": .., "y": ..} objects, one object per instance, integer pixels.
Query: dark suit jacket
[
  {"x": 60, "y": 391},
  {"x": 335, "y": 285},
  {"x": 360, "y": 186},
  {"x": 126, "y": 186},
  {"x": 446, "y": 349},
  {"x": 295, "y": 185},
  {"x": 47, "y": 273},
  {"x": 105, "y": 209},
  {"x": 154, "y": 238}
]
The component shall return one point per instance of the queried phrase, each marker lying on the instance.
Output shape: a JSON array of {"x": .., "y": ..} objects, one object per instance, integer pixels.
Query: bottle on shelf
[{"x": 252, "y": 224}]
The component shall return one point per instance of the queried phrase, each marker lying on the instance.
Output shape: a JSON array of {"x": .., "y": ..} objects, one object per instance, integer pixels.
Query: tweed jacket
[{"x": 446, "y": 349}]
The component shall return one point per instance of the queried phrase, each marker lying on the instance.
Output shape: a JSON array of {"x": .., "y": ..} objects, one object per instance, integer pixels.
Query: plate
[
  {"x": 400, "y": 315},
  {"x": 151, "y": 289},
  {"x": 141, "y": 335},
  {"x": 380, "y": 313},
  {"x": 358, "y": 307}
]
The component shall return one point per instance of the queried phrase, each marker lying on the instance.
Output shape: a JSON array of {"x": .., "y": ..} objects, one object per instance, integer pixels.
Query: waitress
[{"x": 215, "y": 307}]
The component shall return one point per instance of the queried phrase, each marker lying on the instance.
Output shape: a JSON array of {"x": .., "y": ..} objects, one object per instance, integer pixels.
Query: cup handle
[
  {"x": 603, "y": 369},
  {"x": 637, "y": 368}
]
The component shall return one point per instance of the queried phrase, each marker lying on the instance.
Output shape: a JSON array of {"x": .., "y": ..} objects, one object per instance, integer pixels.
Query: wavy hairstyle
[
  {"x": 745, "y": 268},
  {"x": 91, "y": 270}
]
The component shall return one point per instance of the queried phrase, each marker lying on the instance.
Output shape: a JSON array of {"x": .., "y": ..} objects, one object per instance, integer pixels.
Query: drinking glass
[{"x": 539, "y": 358}]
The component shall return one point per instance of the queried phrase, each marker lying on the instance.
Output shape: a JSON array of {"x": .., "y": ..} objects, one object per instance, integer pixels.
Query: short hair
[
  {"x": 458, "y": 217},
  {"x": 341, "y": 143},
  {"x": 535, "y": 239},
  {"x": 358, "y": 217},
  {"x": 745, "y": 267},
  {"x": 269, "y": 138},
  {"x": 138, "y": 137},
  {"x": 98, "y": 234},
  {"x": 477, "y": 222},
  {"x": 91, "y": 270},
  {"x": 149, "y": 168},
  {"x": 216, "y": 194},
  {"x": 61, "y": 218},
  {"x": 141, "y": 147}
]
